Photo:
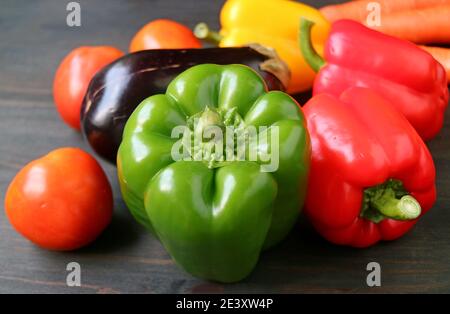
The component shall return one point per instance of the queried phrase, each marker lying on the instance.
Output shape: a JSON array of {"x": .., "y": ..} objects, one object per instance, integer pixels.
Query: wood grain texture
[{"x": 126, "y": 259}]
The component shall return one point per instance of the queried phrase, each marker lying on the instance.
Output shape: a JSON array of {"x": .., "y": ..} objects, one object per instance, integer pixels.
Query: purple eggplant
[{"x": 120, "y": 87}]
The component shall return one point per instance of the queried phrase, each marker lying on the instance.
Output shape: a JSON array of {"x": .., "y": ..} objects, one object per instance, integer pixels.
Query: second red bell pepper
[
  {"x": 371, "y": 175},
  {"x": 410, "y": 78}
]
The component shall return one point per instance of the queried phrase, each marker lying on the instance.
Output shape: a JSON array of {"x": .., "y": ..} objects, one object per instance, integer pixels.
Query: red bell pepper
[
  {"x": 410, "y": 78},
  {"x": 371, "y": 174}
]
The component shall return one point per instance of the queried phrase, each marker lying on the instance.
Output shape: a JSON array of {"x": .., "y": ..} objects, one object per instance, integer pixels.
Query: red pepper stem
[
  {"x": 405, "y": 208},
  {"x": 389, "y": 200},
  {"x": 314, "y": 60},
  {"x": 203, "y": 32}
]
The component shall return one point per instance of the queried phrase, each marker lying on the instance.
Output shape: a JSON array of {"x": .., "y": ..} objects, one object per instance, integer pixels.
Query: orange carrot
[
  {"x": 357, "y": 10},
  {"x": 421, "y": 26},
  {"x": 442, "y": 55}
]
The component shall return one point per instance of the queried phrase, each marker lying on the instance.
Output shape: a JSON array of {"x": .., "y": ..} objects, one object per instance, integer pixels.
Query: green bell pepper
[{"x": 215, "y": 215}]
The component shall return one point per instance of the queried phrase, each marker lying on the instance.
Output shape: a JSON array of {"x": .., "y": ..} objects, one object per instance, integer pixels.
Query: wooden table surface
[{"x": 126, "y": 258}]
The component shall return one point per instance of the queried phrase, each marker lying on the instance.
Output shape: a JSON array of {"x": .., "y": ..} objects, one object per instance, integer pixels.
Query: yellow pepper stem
[
  {"x": 311, "y": 56},
  {"x": 203, "y": 32}
]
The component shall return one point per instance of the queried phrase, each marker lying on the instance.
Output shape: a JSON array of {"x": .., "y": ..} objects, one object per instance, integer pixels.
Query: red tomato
[
  {"x": 73, "y": 76},
  {"x": 61, "y": 201},
  {"x": 164, "y": 34}
]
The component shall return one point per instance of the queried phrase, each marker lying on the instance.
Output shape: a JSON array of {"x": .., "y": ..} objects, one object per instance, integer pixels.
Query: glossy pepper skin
[
  {"x": 370, "y": 170},
  {"x": 214, "y": 219},
  {"x": 273, "y": 23},
  {"x": 410, "y": 78}
]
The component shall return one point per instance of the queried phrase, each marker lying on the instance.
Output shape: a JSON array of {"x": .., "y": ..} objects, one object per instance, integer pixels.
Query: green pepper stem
[
  {"x": 208, "y": 118},
  {"x": 405, "y": 208},
  {"x": 311, "y": 56},
  {"x": 202, "y": 31}
]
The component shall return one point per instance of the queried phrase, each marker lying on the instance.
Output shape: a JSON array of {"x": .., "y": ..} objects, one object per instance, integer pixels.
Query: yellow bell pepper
[{"x": 275, "y": 24}]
